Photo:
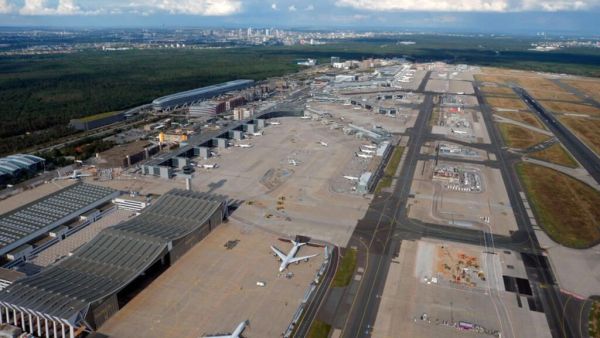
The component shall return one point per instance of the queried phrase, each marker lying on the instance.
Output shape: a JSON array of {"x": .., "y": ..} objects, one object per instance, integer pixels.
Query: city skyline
[{"x": 522, "y": 16}]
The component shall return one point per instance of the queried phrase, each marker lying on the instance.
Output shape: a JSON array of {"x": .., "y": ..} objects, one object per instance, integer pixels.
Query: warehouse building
[
  {"x": 97, "y": 121},
  {"x": 82, "y": 291},
  {"x": 184, "y": 99},
  {"x": 23, "y": 225}
]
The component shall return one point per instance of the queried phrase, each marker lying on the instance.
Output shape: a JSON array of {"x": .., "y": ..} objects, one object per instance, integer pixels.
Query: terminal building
[
  {"x": 187, "y": 98},
  {"x": 79, "y": 293},
  {"x": 38, "y": 219}
]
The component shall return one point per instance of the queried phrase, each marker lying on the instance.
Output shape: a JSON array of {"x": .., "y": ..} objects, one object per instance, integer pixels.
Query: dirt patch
[
  {"x": 565, "y": 207},
  {"x": 519, "y": 137}
]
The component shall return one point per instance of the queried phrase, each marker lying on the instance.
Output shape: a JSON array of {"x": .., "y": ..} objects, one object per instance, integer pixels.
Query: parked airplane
[
  {"x": 235, "y": 334},
  {"x": 290, "y": 257},
  {"x": 208, "y": 166},
  {"x": 244, "y": 145},
  {"x": 305, "y": 117},
  {"x": 74, "y": 176},
  {"x": 275, "y": 123},
  {"x": 462, "y": 132},
  {"x": 351, "y": 178},
  {"x": 260, "y": 133},
  {"x": 323, "y": 144},
  {"x": 369, "y": 146},
  {"x": 361, "y": 155},
  {"x": 293, "y": 162},
  {"x": 367, "y": 151}
]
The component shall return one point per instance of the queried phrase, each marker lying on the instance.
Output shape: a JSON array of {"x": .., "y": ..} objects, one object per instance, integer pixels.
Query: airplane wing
[
  {"x": 279, "y": 253},
  {"x": 296, "y": 259}
]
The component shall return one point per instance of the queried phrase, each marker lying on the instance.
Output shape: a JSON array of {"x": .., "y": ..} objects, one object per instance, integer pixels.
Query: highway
[
  {"x": 379, "y": 234},
  {"x": 582, "y": 153}
]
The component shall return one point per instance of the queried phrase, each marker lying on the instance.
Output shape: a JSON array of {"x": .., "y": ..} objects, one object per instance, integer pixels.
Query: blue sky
[{"x": 568, "y": 16}]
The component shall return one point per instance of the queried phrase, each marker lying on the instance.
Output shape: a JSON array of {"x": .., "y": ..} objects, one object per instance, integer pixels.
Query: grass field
[
  {"x": 319, "y": 329},
  {"x": 588, "y": 86},
  {"x": 594, "y": 320},
  {"x": 527, "y": 118},
  {"x": 343, "y": 275},
  {"x": 567, "y": 107},
  {"x": 519, "y": 137},
  {"x": 553, "y": 95},
  {"x": 390, "y": 169},
  {"x": 555, "y": 154},
  {"x": 504, "y": 91},
  {"x": 506, "y": 103},
  {"x": 565, "y": 208},
  {"x": 588, "y": 130}
]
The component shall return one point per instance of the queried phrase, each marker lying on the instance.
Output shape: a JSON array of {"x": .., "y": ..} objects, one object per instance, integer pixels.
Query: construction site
[
  {"x": 461, "y": 195},
  {"x": 447, "y": 289}
]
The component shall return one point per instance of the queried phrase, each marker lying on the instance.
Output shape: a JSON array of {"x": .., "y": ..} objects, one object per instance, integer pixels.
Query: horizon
[{"x": 475, "y": 16}]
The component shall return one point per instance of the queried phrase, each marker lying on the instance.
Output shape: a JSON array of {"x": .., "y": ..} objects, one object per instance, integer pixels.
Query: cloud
[
  {"x": 469, "y": 5},
  {"x": 39, "y": 7},
  {"x": 199, "y": 7},
  {"x": 274, "y": 6},
  {"x": 137, "y": 7},
  {"x": 5, "y": 7},
  {"x": 292, "y": 8}
]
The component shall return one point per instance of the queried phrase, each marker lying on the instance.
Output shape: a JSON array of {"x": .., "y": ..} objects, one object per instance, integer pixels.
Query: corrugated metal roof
[
  {"x": 200, "y": 91},
  {"x": 113, "y": 258},
  {"x": 24, "y": 221}
]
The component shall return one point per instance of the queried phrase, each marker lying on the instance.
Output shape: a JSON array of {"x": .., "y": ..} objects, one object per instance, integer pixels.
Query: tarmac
[{"x": 211, "y": 289}]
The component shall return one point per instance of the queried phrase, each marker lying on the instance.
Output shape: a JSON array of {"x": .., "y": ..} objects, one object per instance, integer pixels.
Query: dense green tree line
[{"x": 40, "y": 94}]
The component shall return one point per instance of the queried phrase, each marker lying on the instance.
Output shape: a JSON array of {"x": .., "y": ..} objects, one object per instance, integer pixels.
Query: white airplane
[
  {"x": 323, "y": 144},
  {"x": 305, "y": 117},
  {"x": 461, "y": 132},
  {"x": 369, "y": 146},
  {"x": 74, "y": 176},
  {"x": 290, "y": 257},
  {"x": 275, "y": 123},
  {"x": 351, "y": 178},
  {"x": 244, "y": 145},
  {"x": 361, "y": 155},
  {"x": 293, "y": 162},
  {"x": 367, "y": 151},
  {"x": 260, "y": 133},
  {"x": 208, "y": 166},
  {"x": 235, "y": 334}
]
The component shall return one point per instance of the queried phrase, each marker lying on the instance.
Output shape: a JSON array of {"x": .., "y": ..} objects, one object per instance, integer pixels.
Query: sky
[{"x": 498, "y": 16}]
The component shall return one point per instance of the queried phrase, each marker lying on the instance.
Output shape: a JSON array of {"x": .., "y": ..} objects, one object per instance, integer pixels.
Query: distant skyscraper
[
  {"x": 267, "y": 32},
  {"x": 249, "y": 31},
  {"x": 335, "y": 59}
]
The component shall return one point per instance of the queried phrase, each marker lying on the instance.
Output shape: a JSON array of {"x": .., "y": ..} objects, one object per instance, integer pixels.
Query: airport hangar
[
  {"x": 82, "y": 291},
  {"x": 36, "y": 219},
  {"x": 199, "y": 145}
]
